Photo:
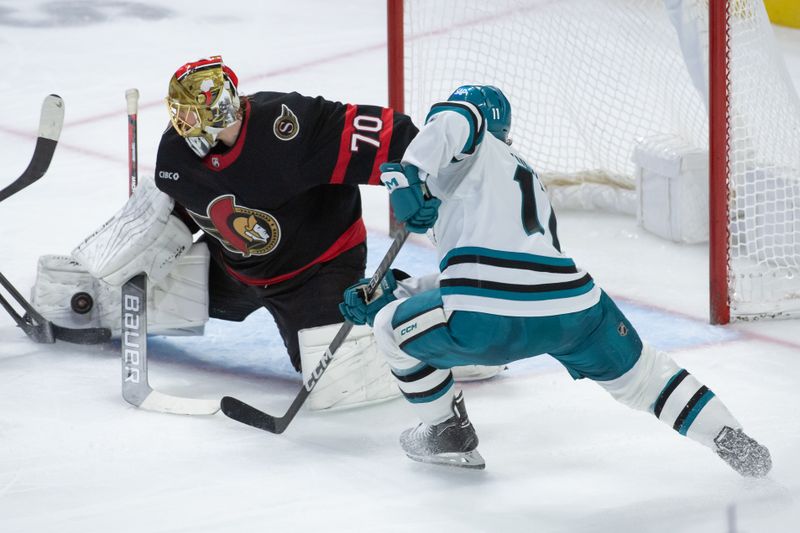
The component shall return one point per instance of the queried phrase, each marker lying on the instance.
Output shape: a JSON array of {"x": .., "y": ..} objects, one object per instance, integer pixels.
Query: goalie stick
[
  {"x": 247, "y": 414},
  {"x": 136, "y": 388},
  {"x": 50, "y": 123}
]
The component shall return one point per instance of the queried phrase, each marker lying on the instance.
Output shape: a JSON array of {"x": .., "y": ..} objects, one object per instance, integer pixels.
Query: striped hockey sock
[
  {"x": 692, "y": 409},
  {"x": 429, "y": 390}
]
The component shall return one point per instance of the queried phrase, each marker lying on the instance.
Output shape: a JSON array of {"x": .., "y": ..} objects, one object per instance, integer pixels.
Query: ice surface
[{"x": 561, "y": 455}]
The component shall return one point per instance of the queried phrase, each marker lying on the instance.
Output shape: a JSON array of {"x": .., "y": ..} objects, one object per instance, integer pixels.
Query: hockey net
[{"x": 588, "y": 79}]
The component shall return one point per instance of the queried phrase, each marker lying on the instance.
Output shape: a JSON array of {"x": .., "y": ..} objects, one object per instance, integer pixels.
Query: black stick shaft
[{"x": 251, "y": 416}]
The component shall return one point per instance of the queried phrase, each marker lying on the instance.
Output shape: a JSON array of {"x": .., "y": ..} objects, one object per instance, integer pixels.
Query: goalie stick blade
[
  {"x": 178, "y": 405},
  {"x": 50, "y": 124},
  {"x": 247, "y": 414}
]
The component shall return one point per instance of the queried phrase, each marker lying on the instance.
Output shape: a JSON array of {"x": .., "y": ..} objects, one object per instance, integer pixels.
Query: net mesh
[{"x": 589, "y": 78}]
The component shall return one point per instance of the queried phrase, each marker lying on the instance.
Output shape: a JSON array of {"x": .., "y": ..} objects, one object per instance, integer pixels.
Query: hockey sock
[
  {"x": 429, "y": 390},
  {"x": 656, "y": 384},
  {"x": 692, "y": 409}
]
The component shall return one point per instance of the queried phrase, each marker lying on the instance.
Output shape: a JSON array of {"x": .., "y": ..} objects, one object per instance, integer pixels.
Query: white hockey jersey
[{"x": 496, "y": 232}]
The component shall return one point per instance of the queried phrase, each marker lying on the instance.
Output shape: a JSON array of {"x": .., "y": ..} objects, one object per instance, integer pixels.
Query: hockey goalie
[{"x": 82, "y": 290}]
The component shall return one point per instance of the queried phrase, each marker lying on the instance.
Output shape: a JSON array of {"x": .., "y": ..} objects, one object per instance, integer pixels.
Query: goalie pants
[
  {"x": 599, "y": 343},
  {"x": 307, "y": 300}
]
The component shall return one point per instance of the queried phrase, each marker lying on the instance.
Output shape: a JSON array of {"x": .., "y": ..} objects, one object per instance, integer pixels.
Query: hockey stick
[
  {"x": 50, "y": 123},
  {"x": 136, "y": 388},
  {"x": 35, "y": 326},
  {"x": 39, "y": 329},
  {"x": 132, "y": 98},
  {"x": 247, "y": 414}
]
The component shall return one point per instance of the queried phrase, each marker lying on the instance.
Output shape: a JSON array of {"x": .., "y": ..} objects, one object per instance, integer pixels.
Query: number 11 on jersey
[{"x": 527, "y": 179}]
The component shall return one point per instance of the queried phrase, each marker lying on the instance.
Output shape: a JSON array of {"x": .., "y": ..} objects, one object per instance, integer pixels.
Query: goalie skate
[
  {"x": 450, "y": 443},
  {"x": 743, "y": 453}
]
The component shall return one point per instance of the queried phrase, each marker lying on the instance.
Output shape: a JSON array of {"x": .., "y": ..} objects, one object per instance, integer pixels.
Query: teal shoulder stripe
[
  {"x": 517, "y": 296},
  {"x": 476, "y": 124},
  {"x": 502, "y": 254}
]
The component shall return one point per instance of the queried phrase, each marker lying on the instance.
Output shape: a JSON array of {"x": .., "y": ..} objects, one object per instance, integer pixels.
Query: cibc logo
[
  {"x": 131, "y": 340},
  {"x": 174, "y": 176}
]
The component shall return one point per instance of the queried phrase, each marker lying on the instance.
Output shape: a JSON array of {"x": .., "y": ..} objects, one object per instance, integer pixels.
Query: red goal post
[{"x": 612, "y": 72}]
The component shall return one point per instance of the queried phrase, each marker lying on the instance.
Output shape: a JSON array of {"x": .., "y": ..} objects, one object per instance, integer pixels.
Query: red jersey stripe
[
  {"x": 343, "y": 160},
  {"x": 387, "y": 116},
  {"x": 353, "y": 236}
]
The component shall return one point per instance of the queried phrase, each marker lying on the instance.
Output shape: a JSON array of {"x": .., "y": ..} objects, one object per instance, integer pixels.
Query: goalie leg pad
[
  {"x": 357, "y": 375},
  {"x": 142, "y": 237},
  {"x": 66, "y": 294}
]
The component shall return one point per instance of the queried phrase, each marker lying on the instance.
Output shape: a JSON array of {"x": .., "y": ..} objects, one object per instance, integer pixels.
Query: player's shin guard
[
  {"x": 656, "y": 384},
  {"x": 429, "y": 390}
]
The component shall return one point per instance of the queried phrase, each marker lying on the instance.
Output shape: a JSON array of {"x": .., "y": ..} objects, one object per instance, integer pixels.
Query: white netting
[
  {"x": 764, "y": 169},
  {"x": 588, "y": 78}
]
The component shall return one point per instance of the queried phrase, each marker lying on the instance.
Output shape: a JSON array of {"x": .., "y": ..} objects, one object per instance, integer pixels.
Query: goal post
[
  {"x": 719, "y": 143},
  {"x": 592, "y": 79}
]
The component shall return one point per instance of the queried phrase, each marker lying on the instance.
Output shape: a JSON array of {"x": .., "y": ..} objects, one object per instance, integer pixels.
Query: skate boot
[
  {"x": 452, "y": 442},
  {"x": 742, "y": 453}
]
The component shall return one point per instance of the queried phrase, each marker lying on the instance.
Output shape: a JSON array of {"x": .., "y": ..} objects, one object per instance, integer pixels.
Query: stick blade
[
  {"x": 52, "y": 118},
  {"x": 247, "y": 414},
  {"x": 177, "y": 405}
]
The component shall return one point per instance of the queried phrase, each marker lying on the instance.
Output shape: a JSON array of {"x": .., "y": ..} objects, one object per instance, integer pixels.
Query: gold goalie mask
[{"x": 202, "y": 101}]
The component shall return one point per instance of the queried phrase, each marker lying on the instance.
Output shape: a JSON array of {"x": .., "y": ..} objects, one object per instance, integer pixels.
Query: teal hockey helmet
[{"x": 492, "y": 103}]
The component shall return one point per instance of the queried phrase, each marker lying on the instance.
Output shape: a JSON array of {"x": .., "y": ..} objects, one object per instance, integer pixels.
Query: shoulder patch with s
[{"x": 286, "y": 126}]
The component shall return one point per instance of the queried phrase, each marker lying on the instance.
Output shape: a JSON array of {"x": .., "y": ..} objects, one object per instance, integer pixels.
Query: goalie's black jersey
[{"x": 285, "y": 196}]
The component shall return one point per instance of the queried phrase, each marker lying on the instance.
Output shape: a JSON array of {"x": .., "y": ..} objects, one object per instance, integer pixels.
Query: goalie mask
[
  {"x": 202, "y": 101},
  {"x": 493, "y": 104}
]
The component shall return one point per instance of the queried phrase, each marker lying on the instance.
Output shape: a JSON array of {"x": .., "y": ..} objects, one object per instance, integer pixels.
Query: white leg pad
[
  {"x": 178, "y": 305},
  {"x": 358, "y": 374}
]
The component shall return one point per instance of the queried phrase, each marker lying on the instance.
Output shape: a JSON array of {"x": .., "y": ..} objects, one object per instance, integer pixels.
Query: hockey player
[
  {"x": 505, "y": 292},
  {"x": 272, "y": 179}
]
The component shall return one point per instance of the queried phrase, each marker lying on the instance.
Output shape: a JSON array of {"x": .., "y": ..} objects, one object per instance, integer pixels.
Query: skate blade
[{"x": 473, "y": 459}]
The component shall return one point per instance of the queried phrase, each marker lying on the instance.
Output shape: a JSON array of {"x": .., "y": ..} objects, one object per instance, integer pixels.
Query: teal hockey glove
[
  {"x": 357, "y": 309},
  {"x": 408, "y": 197}
]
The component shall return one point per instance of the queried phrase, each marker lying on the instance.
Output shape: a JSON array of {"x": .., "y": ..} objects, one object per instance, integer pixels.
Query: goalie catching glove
[{"x": 408, "y": 195}]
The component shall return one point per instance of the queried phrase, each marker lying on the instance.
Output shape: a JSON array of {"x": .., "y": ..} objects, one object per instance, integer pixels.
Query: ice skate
[
  {"x": 743, "y": 453},
  {"x": 451, "y": 443}
]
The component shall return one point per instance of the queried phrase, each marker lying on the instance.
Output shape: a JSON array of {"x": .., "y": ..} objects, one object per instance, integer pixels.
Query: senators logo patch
[
  {"x": 286, "y": 127},
  {"x": 240, "y": 229}
]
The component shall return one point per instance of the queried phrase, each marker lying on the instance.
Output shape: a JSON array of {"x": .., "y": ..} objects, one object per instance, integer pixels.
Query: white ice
[{"x": 561, "y": 455}]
